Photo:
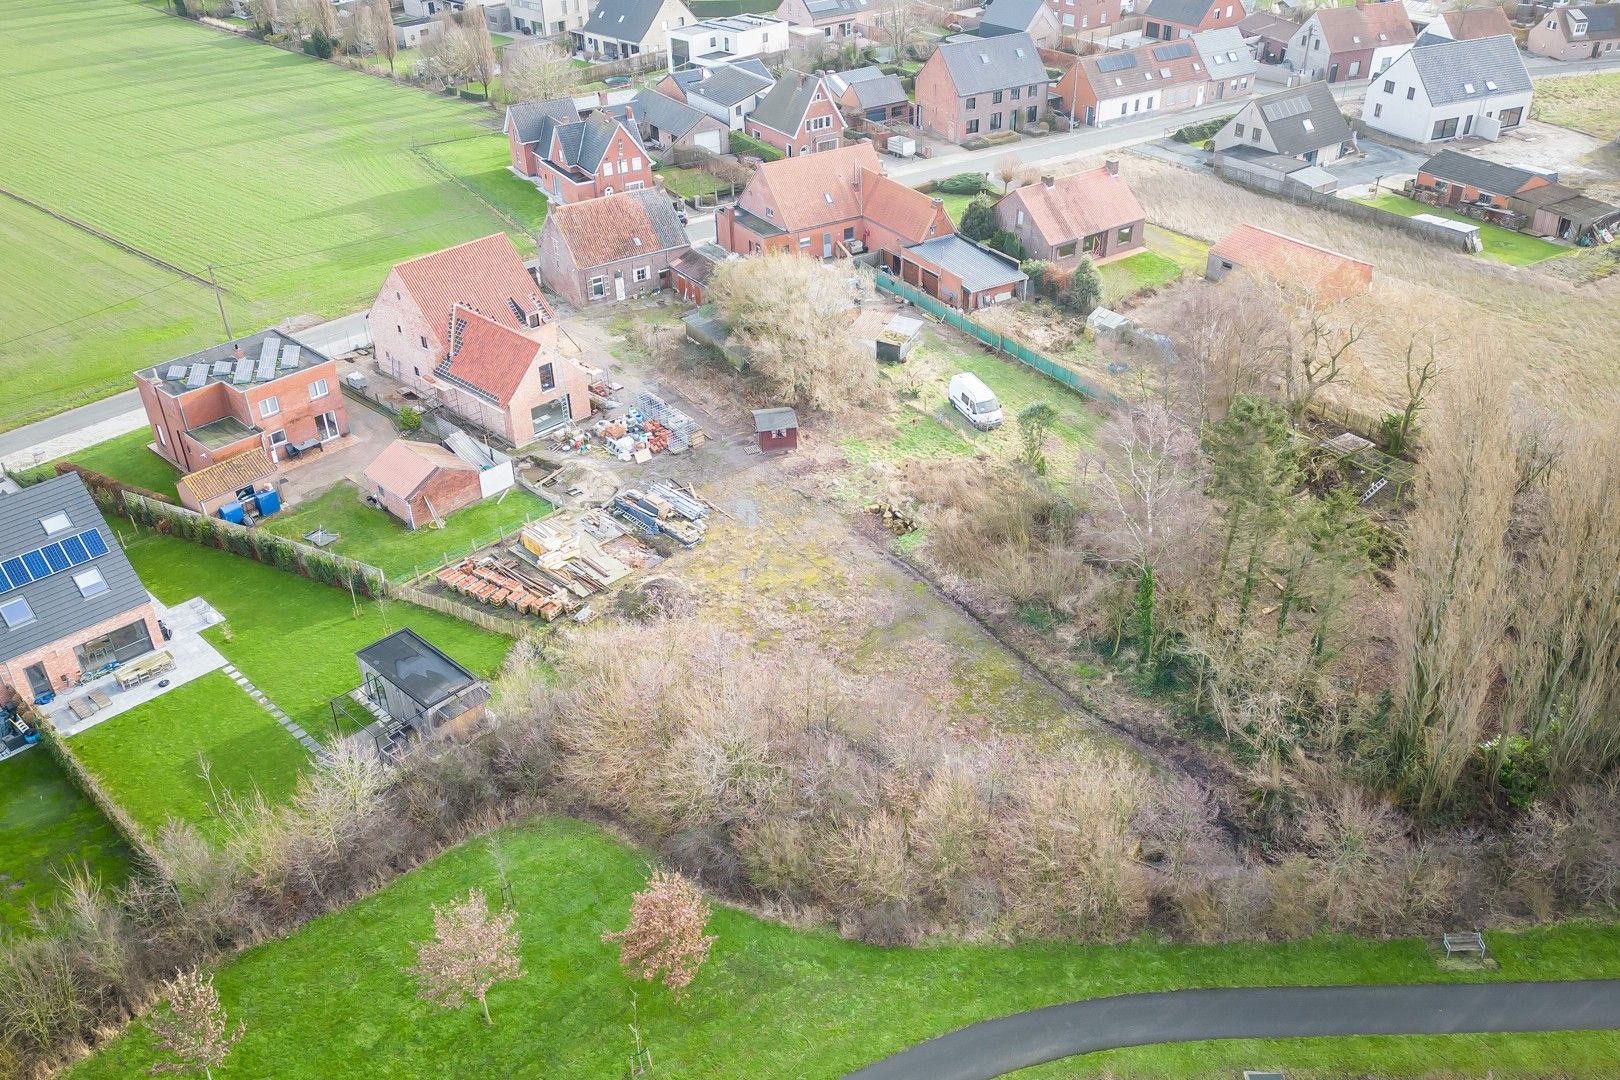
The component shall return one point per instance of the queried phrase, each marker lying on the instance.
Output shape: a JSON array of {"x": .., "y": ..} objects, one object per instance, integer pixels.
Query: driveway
[{"x": 995, "y": 1047}]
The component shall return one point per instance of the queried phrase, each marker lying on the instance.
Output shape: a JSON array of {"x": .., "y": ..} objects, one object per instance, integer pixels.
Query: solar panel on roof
[
  {"x": 198, "y": 376},
  {"x": 73, "y": 547},
  {"x": 1172, "y": 52},
  {"x": 1116, "y": 62},
  {"x": 243, "y": 372},
  {"x": 16, "y": 572},
  {"x": 1282, "y": 110},
  {"x": 93, "y": 543},
  {"x": 36, "y": 564},
  {"x": 56, "y": 557},
  {"x": 291, "y": 356},
  {"x": 222, "y": 367},
  {"x": 175, "y": 372}
]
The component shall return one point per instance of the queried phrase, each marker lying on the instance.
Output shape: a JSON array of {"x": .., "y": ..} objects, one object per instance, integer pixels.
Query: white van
[{"x": 974, "y": 400}]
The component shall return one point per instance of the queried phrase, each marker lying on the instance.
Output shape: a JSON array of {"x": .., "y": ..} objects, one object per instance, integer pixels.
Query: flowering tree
[
  {"x": 471, "y": 951},
  {"x": 665, "y": 935},
  {"x": 190, "y": 1024}
]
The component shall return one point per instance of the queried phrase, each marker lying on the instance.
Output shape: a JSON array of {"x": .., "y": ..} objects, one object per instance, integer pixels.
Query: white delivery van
[{"x": 974, "y": 400}]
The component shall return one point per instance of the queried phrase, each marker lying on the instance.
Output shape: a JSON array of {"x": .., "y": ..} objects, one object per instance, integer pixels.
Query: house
[
  {"x": 727, "y": 92},
  {"x": 547, "y": 18},
  {"x": 266, "y": 392},
  {"x": 1465, "y": 25},
  {"x": 668, "y": 127},
  {"x": 1450, "y": 90},
  {"x": 691, "y": 271},
  {"x": 467, "y": 329},
  {"x": 1086, "y": 14},
  {"x": 1167, "y": 20},
  {"x": 1513, "y": 197},
  {"x": 409, "y": 691},
  {"x": 956, "y": 271},
  {"x": 838, "y": 20},
  {"x": 621, "y": 28},
  {"x": 798, "y": 116},
  {"x": 776, "y": 431},
  {"x": 497, "y": 13},
  {"x": 869, "y": 94},
  {"x": 1329, "y": 274},
  {"x": 1228, "y": 61},
  {"x": 1113, "y": 87},
  {"x": 1345, "y": 44},
  {"x": 421, "y": 484},
  {"x": 725, "y": 40},
  {"x": 973, "y": 87},
  {"x": 1303, "y": 123},
  {"x": 1091, "y": 213},
  {"x": 829, "y": 204},
  {"x": 413, "y": 32},
  {"x": 1577, "y": 32},
  {"x": 572, "y": 155},
  {"x": 1268, "y": 35},
  {"x": 611, "y": 248},
  {"x": 1033, "y": 17},
  {"x": 70, "y": 602}
]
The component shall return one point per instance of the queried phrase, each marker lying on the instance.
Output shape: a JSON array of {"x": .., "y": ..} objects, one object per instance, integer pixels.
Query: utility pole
[{"x": 219, "y": 298}]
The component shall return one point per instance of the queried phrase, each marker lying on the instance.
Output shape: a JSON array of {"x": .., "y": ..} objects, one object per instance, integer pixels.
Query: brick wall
[
  {"x": 60, "y": 663},
  {"x": 398, "y": 330}
]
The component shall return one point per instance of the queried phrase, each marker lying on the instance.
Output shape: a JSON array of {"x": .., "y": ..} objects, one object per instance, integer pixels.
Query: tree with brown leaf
[
  {"x": 471, "y": 951},
  {"x": 190, "y": 1024},
  {"x": 665, "y": 938}
]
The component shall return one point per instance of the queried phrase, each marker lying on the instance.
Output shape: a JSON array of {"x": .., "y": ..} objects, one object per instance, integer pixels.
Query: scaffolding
[{"x": 684, "y": 432}]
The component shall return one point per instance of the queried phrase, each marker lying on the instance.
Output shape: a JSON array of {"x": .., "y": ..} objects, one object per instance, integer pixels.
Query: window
[
  {"x": 269, "y": 407},
  {"x": 1411, "y": 92},
  {"x": 642, "y": 273},
  {"x": 1029, "y": 115},
  {"x": 804, "y": 243},
  {"x": 995, "y": 121},
  {"x": 973, "y": 126},
  {"x": 995, "y": 98},
  {"x": 1254, "y": 134},
  {"x": 548, "y": 377},
  {"x": 820, "y": 123},
  {"x": 635, "y": 185},
  {"x": 1017, "y": 91},
  {"x": 1090, "y": 243},
  {"x": 1065, "y": 251},
  {"x": 598, "y": 288},
  {"x": 849, "y": 232},
  {"x": 90, "y": 583},
  {"x": 1378, "y": 110},
  {"x": 16, "y": 612},
  {"x": 973, "y": 103},
  {"x": 423, "y": 340},
  {"x": 1309, "y": 126},
  {"x": 318, "y": 389},
  {"x": 1126, "y": 233},
  {"x": 1032, "y": 91},
  {"x": 55, "y": 523},
  {"x": 162, "y": 438},
  {"x": 1238, "y": 131},
  {"x": 1445, "y": 129},
  {"x": 1355, "y": 68},
  {"x": 1512, "y": 117}
]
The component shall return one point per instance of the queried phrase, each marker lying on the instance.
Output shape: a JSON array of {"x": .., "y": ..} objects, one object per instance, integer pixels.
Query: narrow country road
[{"x": 994, "y": 1047}]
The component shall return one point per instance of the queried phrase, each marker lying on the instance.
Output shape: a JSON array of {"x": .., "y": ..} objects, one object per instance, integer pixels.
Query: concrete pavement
[{"x": 995, "y": 1047}]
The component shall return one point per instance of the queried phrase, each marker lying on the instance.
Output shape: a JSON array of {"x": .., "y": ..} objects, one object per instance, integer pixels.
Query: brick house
[
  {"x": 690, "y": 273},
  {"x": 1344, "y": 44},
  {"x": 1329, "y": 274},
  {"x": 620, "y": 28},
  {"x": 1033, "y": 17},
  {"x": 670, "y": 128},
  {"x": 266, "y": 392},
  {"x": 974, "y": 87},
  {"x": 1092, "y": 214},
  {"x": 954, "y": 270},
  {"x": 420, "y": 483},
  {"x": 868, "y": 93},
  {"x": 1075, "y": 15},
  {"x": 828, "y": 205},
  {"x": 572, "y": 155},
  {"x": 1116, "y": 87},
  {"x": 1577, "y": 32},
  {"x": 1465, "y": 25},
  {"x": 1269, "y": 36},
  {"x": 838, "y": 20},
  {"x": 1512, "y": 197},
  {"x": 467, "y": 329},
  {"x": 1167, "y": 20},
  {"x": 798, "y": 116},
  {"x": 69, "y": 600},
  {"x": 607, "y": 249}
]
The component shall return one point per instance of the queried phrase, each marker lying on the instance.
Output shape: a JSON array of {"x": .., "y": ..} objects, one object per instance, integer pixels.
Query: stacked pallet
[{"x": 490, "y": 583}]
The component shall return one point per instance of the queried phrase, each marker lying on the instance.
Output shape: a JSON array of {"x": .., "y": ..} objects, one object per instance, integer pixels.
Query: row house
[
  {"x": 838, "y": 20},
  {"x": 572, "y": 155},
  {"x": 1345, "y": 44},
  {"x": 798, "y": 116},
  {"x": 608, "y": 249},
  {"x": 1117, "y": 87},
  {"x": 618, "y": 29},
  {"x": 1033, "y": 17},
  {"x": 1577, "y": 32},
  {"x": 870, "y": 94},
  {"x": 1076, "y": 15},
  {"x": 1465, "y": 25},
  {"x": 975, "y": 87}
]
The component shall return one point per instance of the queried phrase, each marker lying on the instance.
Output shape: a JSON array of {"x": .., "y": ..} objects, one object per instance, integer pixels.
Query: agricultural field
[
  {"x": 774, "y": 1001},
  {"x": 47, "y": 829},
  {"x": 1589, "y": 103},
  {"x": 301, "y": 192}
]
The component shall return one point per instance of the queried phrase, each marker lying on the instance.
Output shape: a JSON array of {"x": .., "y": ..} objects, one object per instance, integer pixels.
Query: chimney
[
  {"x": 937, "y": 201},
  {"x": 236, "y": 351},
  {"x": 1048, "y": 180},
  {"x": 1112, "y": 165}
]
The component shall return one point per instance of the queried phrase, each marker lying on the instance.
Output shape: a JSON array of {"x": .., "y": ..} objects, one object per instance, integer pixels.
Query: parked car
[{"x": 974, "y": 400}]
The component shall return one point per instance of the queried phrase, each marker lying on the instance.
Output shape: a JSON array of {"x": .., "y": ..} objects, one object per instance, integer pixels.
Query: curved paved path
[{"x": 994, "y": 1047}]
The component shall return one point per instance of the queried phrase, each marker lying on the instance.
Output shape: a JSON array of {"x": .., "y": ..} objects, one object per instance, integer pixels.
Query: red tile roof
[
  {"x": 403, "y": 467},
  {"x": 232, "y": 474},
  {"x": 904, "y": 211},
  {"x": 1332, "y": 275},
  {"x": 1477, "y": 23},
  {"x": 485, "y": 275},
  {"x": 816, "y": 188},
  {"x": 1365, "y": 26},
  {"x": 1078, "y": 205},
  {"x": 626, "y": 225},
  {"x": 487, "y": 356},
  {"x": 1126, "y": 71}
]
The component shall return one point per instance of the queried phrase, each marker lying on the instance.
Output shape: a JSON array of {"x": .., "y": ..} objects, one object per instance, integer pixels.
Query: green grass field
[
  {"x": 294, "y": 638},
  {"x": 774, "y": 1002},
  {"x": 295, "y": 178},
  {"x": 378, "y": 538},
  {"x": 124, "y": 458},
  {"x": 484, "y": 165},
  {"x": 149, "y": 758},
  {"x": 1589, "y": 103},
  {"x": 47, "y": 828},
  {"x": 1144, "y": 270},
  {"x": 1501, "y": 245}
]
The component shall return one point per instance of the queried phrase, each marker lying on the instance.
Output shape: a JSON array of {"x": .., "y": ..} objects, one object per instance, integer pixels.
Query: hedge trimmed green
[{"x": 747, "y": 144}]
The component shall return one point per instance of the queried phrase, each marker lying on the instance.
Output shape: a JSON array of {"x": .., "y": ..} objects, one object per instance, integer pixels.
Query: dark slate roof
[
  {"x": 980, "y": 65},
  {"x": 978, "y": 267},
  {"x": 781, "y": 418},
  {"x": 534, "y": 121},
  {"x": 59, "y": 608},
  {"x": 872, "y": 87},
  {"x": 585, "y": 142},
  {"x": 666, "y": 114},
  {"x": 1304, "y": 118},
  {"x": 221, "y": 363},
  {"x": 1602, "y": 21},
  {"x": 410, "y": 662},
  {"x": 827, "y": 9},
  {"x": 727, "y": 84},
  {"x": 1009, "y": 16},
  {"x": 784, "y": 107},
  {"x": 1477, "y": 172},
  {"x": 1449, "y": 69},
  {"x": 1226, "y": 55},
  {"x": 1186, "y": 12},
  {"x": 623, "y": 20}
]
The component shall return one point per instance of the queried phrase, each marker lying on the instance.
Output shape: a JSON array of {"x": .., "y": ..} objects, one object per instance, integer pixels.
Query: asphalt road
[{"x": 994, "y": 1047}]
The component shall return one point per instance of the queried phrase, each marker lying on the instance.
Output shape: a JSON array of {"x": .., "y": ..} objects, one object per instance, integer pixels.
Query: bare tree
[
  {"x": 482, "y": 63},
  {"x": 537, "y": 72},
  {"x": 665, "y": 939},
  {"x": 382, "y": 31},
  {"x": 897, "y": 23},
  {"x": 471, "y": 951},
  {"x": 445, "y": 52},
  {"x": 1227, "y": 338},
  {"x": 190, "y": 1024},
  {"x": 264, "y": 13},
  {"x": 1321, "y": 341},
  {"x": 1008, "y": 169}
]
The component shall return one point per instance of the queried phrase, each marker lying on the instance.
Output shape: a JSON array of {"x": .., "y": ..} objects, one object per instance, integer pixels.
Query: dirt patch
[{"x": 1574, "y": 155}]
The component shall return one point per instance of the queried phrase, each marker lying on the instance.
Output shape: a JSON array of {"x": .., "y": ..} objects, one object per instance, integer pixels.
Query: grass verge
[
  {"x": 124, "y": 458},
  {"x": 46, "y": 829},
  {"x": 483, "y": 164},
  {"x": 1589, "y": 103}
]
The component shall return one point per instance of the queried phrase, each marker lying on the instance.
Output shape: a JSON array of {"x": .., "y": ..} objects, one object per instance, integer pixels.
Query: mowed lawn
[
  {"x": 484, "y": 164},
  {"x": 775, "y": 1002},
  {"x": 127, "y": 459},
  {"x": 48, "y": 829},
  {"x": 378, "y": 538},
  {"x": 293, "y": 177},
  {"x": 1501, "y": 245},
  {"x": 1137, "y": 273},
  {"x": 294, "y": 638},
  {"x": 1589, "y": 103},
  {"x": 152, "y": 758}
]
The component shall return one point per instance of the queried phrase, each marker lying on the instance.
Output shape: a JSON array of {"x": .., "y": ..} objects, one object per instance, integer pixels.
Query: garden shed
[
  {"x": 421, "y": 483},
  {"x": 776, "y": 430}
]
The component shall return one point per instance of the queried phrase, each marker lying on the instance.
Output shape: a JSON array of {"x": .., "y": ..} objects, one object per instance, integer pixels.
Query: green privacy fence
[{"x": 998, "y": 341}]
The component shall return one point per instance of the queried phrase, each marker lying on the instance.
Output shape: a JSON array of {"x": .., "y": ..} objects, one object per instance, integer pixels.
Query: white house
[
  {"x": 548, "y": 18},
  {"x": 727, "y": 92},
  {"x": 1450, "y": 90},
  {"x": 1302, "y": 122},
  {"x": 726, "y": 40},
  {"x": 621, "y": 28}
]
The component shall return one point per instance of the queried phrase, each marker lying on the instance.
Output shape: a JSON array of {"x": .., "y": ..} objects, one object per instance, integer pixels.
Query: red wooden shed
[{"x": 777, "y": 430}]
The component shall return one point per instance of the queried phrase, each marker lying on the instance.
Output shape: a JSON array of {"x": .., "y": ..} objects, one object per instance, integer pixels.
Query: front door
[
  {"x": 1333, "y": 73},
  {"x": 38, "y": 681},
  {"x": 826, "y": 245},
  {"x": 618, "y": 284},
  {"x": 278, "y": 445},
  {"x": 326, "y": 426}
]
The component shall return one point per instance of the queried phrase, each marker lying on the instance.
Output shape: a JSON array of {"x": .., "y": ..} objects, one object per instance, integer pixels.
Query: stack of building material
[
  {"x": 685, "y": 505},
  {"x": 684, "y": 432},
  {"x": 489, "y": 582},
  {"x": 565, "y": 560},
  {"x": 656, "y": 514}
]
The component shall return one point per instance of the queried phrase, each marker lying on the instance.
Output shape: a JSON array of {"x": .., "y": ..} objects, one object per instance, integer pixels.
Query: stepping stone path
[{"x": 315, "y": 748}]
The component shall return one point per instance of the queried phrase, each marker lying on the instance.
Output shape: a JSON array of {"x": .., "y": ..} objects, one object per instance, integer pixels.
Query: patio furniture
[
  {"x": 145, "y": 669},
  {"x": 82, "y": 708},
  {"x": 100, "y": 698}
]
